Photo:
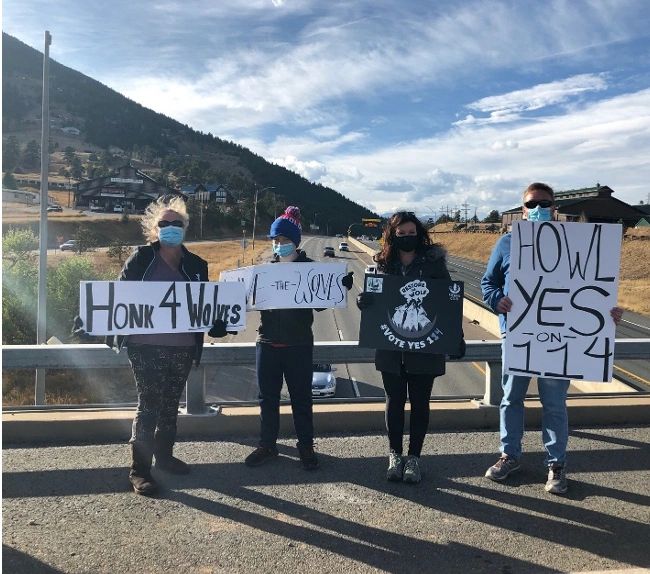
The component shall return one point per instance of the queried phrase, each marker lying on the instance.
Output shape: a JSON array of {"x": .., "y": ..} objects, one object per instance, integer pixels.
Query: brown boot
[
  {"x": 163, "y": 448},
  {"x": 140, "y": 475}
]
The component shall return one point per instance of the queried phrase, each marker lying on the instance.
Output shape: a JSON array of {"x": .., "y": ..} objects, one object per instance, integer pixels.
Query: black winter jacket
[
  {"x": 428, "y": 264},
  {"x": 287, "y": 326},
  {"x": 136, "y": 269}
]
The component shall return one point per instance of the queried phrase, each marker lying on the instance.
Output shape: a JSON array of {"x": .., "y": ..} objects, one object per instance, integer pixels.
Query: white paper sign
[
  {"x": 563, "y": 284},
  {"x": 147, "y": 307},
  {"x": 292, "y": 285}
]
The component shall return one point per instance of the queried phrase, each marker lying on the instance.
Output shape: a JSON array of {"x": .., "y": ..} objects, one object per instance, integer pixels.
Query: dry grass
[
  {"x": 634, "y": 285},
  {"x": 220, "y": 255}
]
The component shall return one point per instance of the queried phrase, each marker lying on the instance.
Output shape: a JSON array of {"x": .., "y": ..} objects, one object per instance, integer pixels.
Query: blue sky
[{"x": 396, "y": 104}]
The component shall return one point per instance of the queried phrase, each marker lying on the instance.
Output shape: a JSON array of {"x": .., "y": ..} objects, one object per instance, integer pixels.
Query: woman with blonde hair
[{"x": 161, "y": 362}]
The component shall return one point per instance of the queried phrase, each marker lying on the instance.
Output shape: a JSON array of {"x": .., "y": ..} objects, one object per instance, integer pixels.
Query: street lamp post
[{"x": 255, "y": 210}]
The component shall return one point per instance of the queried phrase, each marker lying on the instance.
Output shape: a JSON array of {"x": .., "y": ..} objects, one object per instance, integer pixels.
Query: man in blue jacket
[{"x": 538, "y": 205}]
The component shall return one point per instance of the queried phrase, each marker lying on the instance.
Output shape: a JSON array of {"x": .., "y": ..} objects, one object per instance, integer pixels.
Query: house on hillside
[
  {"x": 126, "y": 188},
  {"x": 592, "y": 204},
  {"x": 209, "y": 192}
]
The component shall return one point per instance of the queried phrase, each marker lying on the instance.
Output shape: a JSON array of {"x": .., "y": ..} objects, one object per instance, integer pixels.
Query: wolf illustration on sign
[{"x": 410, "y": 319}]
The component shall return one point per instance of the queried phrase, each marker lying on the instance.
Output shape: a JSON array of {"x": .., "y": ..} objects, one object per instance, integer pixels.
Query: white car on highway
[
  {"x": 323, "y": 381},
  {"x": 343, "y": 246}
]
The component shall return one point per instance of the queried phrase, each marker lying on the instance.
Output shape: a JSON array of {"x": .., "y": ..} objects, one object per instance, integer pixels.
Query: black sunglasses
[
  {"x": 175, "y": 223},
  {"x": 532, "y": 204}
]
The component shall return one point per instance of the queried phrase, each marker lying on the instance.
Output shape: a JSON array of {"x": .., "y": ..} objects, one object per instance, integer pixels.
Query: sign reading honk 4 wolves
[
  {"x": 563, "y": 284},
  {"x": 421, "y": 315},
  {"x": 137, "y": 307},
  {"x": 292, "y": 285}
]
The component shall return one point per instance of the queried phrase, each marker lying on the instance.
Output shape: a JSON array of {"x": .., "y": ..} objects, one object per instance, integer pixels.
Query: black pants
[
  {"x": 160, "y": 375},
  {"x": 294, "y": 364},
  {"x": 418, "y": 388}
]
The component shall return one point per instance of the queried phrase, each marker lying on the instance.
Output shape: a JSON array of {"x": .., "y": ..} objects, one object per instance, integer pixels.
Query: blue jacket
[{"x": 495, "y": 281}]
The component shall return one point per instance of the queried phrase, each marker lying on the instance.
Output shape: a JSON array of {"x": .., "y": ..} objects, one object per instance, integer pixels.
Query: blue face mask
[
  {"x": 284, "y": 249},
  {"x": 540, "y": 214},
  {"x": 171, "y": 236}
]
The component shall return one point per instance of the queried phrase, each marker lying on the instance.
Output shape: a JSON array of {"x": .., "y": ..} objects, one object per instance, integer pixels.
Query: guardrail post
[
  {"x": 39, "y": 388},
  {"x": 493, "y": 388},
  {"x": 195, "y": 391}
]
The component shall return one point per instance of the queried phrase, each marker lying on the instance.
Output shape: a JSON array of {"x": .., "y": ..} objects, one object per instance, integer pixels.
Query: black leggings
[{"x": 419, "y": 392}]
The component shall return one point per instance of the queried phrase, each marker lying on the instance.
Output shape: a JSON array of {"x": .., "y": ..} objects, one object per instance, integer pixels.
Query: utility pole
[
  {"x": 41, "y": 314},
  {"x": 255, "y": 210},
  {"x": 465, "y": 207}
]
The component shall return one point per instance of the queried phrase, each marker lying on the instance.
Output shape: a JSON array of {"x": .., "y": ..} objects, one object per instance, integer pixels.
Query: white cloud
[{"x": 606, "y": 142}]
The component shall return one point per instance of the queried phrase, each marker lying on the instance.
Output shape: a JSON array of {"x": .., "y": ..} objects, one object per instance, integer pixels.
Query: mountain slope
[{"x": 107, "y": 118}]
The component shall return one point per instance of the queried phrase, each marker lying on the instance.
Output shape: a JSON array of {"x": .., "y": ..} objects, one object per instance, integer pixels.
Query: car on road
[
  {"x": 118, "y": 209},
  {"x": 329, "y": 252},
  {"x": 69, "y": 245},
  {"x": 52, "y": 208},
  {"x": 323, "y": 381},
  {"x": 343, "y": 246}
]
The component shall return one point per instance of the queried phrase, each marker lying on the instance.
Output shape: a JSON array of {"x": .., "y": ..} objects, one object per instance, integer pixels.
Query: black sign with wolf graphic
[{"x": 415, "y": 315}]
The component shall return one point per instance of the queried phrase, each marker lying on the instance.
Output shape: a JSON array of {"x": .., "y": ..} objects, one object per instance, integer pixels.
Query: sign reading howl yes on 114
[
  {"x": 415, "y": 315},
  {"x": 136, "y": 307},
  {"x": 563, "y": 284},
  {"x": 292, "y": 285}
]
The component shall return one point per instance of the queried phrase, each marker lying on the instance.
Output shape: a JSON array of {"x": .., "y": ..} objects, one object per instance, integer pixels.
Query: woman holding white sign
[
  {"x": 161, "y": 363},
  {"x": 407, "y": 251},
  {"x": 285, "y": 346}
]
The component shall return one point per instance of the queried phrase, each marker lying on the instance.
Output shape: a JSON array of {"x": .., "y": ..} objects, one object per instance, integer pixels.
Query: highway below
[{"x": 353, "y": 380}]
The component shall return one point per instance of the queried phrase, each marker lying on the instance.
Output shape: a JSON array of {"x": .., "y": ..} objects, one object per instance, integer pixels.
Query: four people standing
[{"x": 161, "y": 362}]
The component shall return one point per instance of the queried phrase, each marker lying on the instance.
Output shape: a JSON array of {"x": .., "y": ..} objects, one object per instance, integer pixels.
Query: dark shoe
[
  {"x": 261, "y": 455},
  {"x": 143, "y": 483},
  {"x": 308, "y": 457},
  {"x": 163, "y": 448},
  {"x": 140, "y": 474},
  {"x": 502, "y": 468}
]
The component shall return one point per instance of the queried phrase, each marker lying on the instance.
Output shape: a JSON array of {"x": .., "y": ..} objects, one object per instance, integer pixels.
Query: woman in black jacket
[
  {"x": 408, "y": 251},
  {"x": 161, "y": 363}
]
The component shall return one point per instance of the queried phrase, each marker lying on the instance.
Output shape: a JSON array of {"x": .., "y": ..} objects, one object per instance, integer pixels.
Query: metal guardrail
[{"x": 238, "y": 354}]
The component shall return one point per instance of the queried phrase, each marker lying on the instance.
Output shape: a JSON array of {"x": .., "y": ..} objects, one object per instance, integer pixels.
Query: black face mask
[{"x": 406, "y": 242}]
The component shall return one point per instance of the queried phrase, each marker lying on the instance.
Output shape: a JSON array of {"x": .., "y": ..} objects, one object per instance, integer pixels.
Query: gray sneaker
[
  {"x": 412, "y": 472},
  {"x": 395, "y": 467},
  {"x": 556, "y": 482},
  {"x": 502, "y": 468}
]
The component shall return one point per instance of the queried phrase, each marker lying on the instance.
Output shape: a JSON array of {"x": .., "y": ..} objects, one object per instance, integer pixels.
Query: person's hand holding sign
[
  {"x": 218, "y": 329},
  {"x": 617, "y": 314},
  {"x": 364, "y": 300},
  {"x": 78, "y": 332},
  {"x": 504, "y": 305},
  {"x": 348, "y": 280}
]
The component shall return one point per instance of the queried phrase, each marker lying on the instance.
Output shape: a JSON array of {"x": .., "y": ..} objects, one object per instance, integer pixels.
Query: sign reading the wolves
[
  {"x": 421, "y": 315},
  {"x": 292, "y": 285},
  {"x": 563, "y": 284},
  {"x": 136, "y": 307}
]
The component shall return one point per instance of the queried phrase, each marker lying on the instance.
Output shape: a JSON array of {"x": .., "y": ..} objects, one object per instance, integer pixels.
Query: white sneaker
[
  {"x": 395, "y": 467},
  {"x": 556, "y": 482}
]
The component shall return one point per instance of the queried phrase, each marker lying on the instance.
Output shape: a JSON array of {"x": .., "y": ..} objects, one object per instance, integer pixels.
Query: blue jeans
[
  {"x": 555, "y": 420},
  {"x": 294, "y": 364}
]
